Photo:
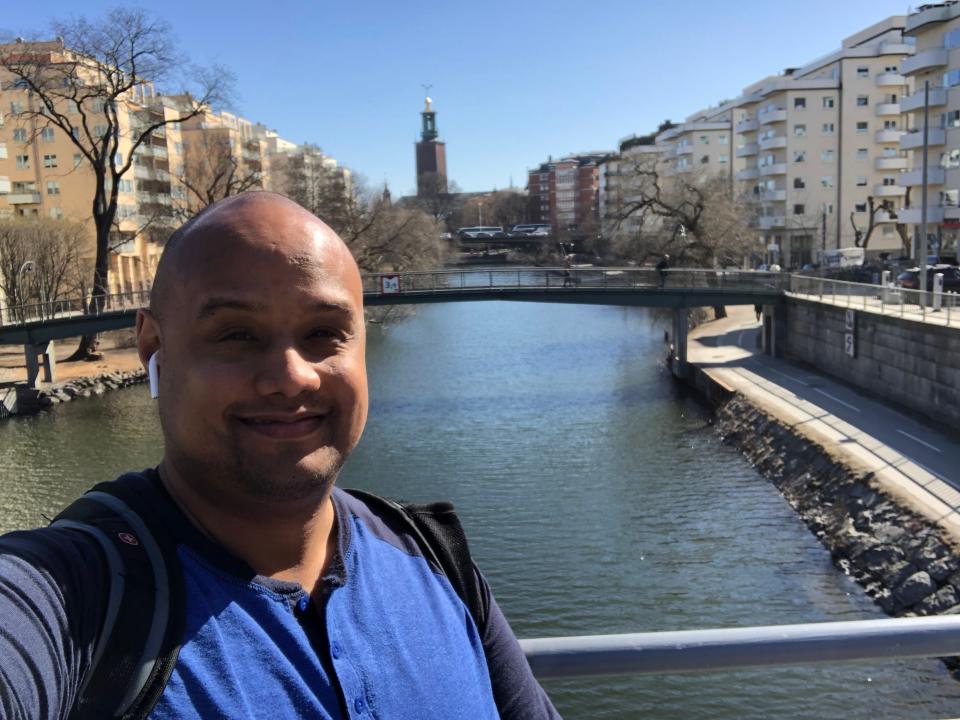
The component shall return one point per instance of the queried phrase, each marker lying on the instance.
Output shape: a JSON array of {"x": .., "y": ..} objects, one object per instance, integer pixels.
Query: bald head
[{"x": 252, "y": 222}]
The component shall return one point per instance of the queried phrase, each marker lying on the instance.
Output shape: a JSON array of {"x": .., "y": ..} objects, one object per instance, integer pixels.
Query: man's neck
[{"x": 278, "y": 541}]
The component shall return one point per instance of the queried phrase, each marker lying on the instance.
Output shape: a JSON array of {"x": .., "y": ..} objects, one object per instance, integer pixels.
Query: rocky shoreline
[
  {"x": 902, "y": 559},
  {"x": 28, "y": 401}
]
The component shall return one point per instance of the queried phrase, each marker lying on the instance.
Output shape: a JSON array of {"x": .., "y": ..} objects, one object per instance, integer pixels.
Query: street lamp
[
  {"x": 28, "y": 266},
  {"x": 480, "y": 214}
]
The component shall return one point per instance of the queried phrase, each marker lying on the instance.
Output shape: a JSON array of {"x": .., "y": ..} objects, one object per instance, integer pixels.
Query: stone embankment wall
[
  {"x": 913, "y": 364},
  {"x": 901, "y": 559},
  {"x": 30, "y": 401}
]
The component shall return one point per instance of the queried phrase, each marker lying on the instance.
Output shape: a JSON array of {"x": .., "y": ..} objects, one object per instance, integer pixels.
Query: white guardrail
[{"x": 732, "y": 648}]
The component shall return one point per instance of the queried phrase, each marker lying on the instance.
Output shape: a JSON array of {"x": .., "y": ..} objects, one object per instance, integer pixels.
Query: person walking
[{"x": 661, "y": 268}]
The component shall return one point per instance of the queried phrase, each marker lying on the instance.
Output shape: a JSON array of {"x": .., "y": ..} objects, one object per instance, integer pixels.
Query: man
[
  {"x": 661, "y": 268},
  {"x": 300, "y": 599}
]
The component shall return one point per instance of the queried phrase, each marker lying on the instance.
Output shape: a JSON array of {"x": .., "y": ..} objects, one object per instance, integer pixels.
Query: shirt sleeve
[
  {"x": 52, "y": 587},
  {"x": 516, "y": 691}
]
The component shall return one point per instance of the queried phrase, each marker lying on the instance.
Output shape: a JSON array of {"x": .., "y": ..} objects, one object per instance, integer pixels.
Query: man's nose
[{"x": 287, "y": 372}]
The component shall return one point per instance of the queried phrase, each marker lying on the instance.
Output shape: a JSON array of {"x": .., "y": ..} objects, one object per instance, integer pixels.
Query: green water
[{"x": 595, "y": 494}]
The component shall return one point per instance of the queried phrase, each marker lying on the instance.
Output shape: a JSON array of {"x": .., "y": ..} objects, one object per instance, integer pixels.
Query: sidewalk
[{"x": 916, "y": 464}]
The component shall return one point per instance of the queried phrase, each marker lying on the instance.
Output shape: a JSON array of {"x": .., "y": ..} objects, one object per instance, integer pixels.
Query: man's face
[{"x": 263, "y": 381}]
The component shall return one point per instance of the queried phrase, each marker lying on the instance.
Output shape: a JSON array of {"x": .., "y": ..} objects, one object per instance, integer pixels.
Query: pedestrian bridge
[
  {"x": 42, "y": 322},
  {"x": 36, "y": 326}
]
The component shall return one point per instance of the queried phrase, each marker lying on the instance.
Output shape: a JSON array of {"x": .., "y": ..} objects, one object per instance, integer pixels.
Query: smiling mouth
[{"x": 284, "y": 428}]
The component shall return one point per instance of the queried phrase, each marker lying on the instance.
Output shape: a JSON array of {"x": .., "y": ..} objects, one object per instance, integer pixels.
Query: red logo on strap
[{"x": 128, "y": 538}]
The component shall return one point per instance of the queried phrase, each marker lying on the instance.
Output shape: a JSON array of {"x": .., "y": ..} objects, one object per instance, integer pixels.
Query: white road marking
[
  {"x": 836, "y": 399},
  {"x": 788, "y": 377},
  {"x": 922, "y": 442}
]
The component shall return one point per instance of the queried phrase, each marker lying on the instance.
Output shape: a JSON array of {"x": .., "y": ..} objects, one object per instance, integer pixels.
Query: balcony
[
  {"x": 779, "y": 141},
  {"x": 912, "y": 216},
  {"x": 747, "y": 150},
  {"x": 890, "y": 79},
  {"x": 747, "y": 174},
  {"x": 773, "y": 116},
  {"x": 892, "y": 47},
  {"x": 884, "y": 109},
  {"x": 911, "y": 140},
  {"x": 885, "y": 191},
  {"x": 935, "y": 176},
  {"x": 912, "y": 103},
  {"x": 773, "y": 195},
  {"x": 772, "y": 221},
  {"x": 775, "y": 169},
  {"x": 684, "y": 149},
  {"x": 882, "y": 217},
  {"x": 891, "y": 163},
  {"x": 931, "y": 59},
  {"x": 888, "y": 135},
  {"x": 747, "y": 125},
  {"x": 23, "y": 198}
]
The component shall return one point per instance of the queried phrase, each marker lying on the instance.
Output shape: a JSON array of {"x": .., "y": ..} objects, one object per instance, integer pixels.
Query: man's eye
[
  {"x": 327, "y": 334},
  {"x": 237, "y": 336}
]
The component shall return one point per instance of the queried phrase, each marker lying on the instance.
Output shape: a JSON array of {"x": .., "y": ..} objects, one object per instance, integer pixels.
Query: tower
[{"x": 431, "y": 155}]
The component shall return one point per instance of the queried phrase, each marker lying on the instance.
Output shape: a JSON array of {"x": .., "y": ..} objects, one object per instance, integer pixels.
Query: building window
[
  {"x": 99, "y": 130},
  {"x": 889, "y": 124},
  {"x": 16, "y": 107},
  {"x": 53, "y": 187},
  {"x": 826, "y": 156},
  {"x": 723, "y": 140},
  {"x": 799, "y": 155},
  {"x": 863, "y": 126},
  {"x": 704, "y": 140},
  {"x": 863, "y": 71},
  {"x": 861, "y": 181},
  {"x": 799, "y": 130},
  {"x": 50, "y": 161},
  {"x": 47, "y": 135},
  {"x": 829, "y": 208},
  {"x": 723, "y": 159},
  {"x": 862, "y": 154},
  {"x": 951, "y": 39},
  {"x": 950, "y": 159},
  {"x": 23, "y": 162},
  {"x": 799, "y": 209},
  {"x": 126, "y": 186},
  {"x": 826, "y": 181},
  {"x": 863, "y": 100},
  {"x": 951, "y": 78},
  {"x": 950, "y": 119},
  {"x": 799, "y": 103},
  {"x": 20, "y": 135},
  {"x": 3, "y": 151},
  {"x": 798, "y": 183},
  {"x": 56, "y": 213},
  {"x": 704, "y": 159},
  {"x": 889, "y": 181},
  {"x": 77, "y": 160},
  {"x": 828, "y": 102},
  {"x": 860, "y": 207},
  {"x": 827, "y": 129}
]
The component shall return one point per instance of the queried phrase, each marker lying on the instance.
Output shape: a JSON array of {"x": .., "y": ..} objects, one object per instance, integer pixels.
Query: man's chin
[{"x": 281, "y": 481}]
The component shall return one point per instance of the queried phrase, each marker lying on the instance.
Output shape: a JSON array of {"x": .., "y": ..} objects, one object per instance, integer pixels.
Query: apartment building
[
  {"x": 935, "y": 28},
  {"x": 701, "y": 144},
  {"x": 565, "y": 193},
  {"x": 820, "y": 145},
  {"x": 622, "y": 186}
]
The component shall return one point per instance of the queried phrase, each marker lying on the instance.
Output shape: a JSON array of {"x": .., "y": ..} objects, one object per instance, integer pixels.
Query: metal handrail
[{"x": 730, "y": 648}]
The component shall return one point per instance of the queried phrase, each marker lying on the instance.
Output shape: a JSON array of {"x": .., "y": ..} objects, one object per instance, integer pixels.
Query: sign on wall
[
  {"x": 390, "y": 284},
  {"x": 850, "y": 336}
]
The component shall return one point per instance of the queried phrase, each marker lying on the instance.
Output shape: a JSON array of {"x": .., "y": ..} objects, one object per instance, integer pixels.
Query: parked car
[
  {"x": 910, "y": 279},
  {"x": 529, "y": 229},
  {"x": 481, "y": 231}
]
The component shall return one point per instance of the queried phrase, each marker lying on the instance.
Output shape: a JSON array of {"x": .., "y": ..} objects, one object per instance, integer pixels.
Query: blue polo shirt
[{"x": 384, "y": 634}]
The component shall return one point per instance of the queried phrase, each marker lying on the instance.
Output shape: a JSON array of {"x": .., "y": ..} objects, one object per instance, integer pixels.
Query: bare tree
[
  {"x": 436, "y": 196},
  {"x": 84, "y": 83},
  {"x": 874, "y": 208},
  {"x": 694, "y": 218},
  {"x": 213, "y": 171},
  {"x": 50, "y": 250}
]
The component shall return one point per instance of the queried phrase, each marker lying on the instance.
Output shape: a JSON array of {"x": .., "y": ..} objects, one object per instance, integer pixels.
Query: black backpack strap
[
  {"x": 143, "y": 618},
  {"x": 441, "y": 538}
]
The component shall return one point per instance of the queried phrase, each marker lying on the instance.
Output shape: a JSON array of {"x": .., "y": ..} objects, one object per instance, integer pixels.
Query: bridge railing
[
  {"x": 73, "y": 307},
  {"x": 558, "y": 278},
  {"x": 731, "y": 648},
  {"x": 885, "y": 299}
]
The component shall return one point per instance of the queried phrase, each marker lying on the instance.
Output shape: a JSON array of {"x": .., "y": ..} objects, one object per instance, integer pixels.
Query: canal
[{"x": 596, "y": 496}]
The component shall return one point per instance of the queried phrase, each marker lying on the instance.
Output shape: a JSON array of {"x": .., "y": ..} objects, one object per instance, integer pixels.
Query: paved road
[{"x": 920, "y": 461}]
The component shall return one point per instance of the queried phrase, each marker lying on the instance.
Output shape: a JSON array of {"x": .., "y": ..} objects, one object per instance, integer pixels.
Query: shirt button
[
  {"x": 336, "y": 650},
  {"x": 302, "y": 603},
  {"x": 359, "y": 705}
]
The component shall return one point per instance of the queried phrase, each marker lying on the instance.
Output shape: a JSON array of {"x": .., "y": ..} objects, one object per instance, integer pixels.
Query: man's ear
[{"x": 148, "y": 336}]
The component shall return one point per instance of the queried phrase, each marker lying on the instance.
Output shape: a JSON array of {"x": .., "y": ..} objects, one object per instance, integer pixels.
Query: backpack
[{"x": 144, "y": 615}]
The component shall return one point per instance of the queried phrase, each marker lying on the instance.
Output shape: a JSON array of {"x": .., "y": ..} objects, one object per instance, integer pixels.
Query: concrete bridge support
[
  {"x": 774, "y": 333},
  {"x": 678, "y": 360},
  {"x": 40, "y": 355}
]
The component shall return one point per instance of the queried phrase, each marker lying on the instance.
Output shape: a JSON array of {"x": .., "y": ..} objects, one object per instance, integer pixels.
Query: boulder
[
  {"x": 914, "y": 589},
  {"x": 944, "y": 599}
]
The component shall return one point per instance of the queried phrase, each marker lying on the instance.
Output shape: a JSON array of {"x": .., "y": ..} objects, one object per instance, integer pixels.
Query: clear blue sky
[{"x": 513, "y": 81}]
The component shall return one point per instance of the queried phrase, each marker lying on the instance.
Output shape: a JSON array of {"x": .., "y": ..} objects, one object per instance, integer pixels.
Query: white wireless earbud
[{"x": 153, "y": 376}]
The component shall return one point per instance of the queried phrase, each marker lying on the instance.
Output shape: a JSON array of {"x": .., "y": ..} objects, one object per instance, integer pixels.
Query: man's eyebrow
[{"x": 214, "y": 304}]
